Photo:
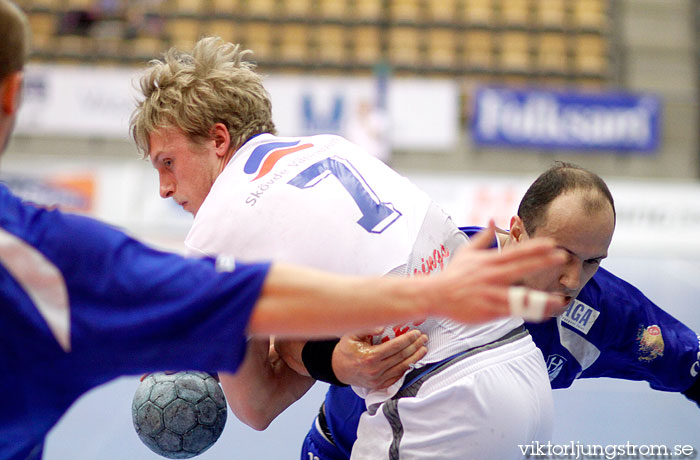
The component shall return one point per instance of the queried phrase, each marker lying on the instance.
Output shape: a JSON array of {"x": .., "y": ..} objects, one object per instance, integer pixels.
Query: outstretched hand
[{"x": 478, "y": 284}]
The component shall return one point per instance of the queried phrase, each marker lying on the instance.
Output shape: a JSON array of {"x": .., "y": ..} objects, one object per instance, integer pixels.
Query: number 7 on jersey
[{"x": 377, "y": 216}]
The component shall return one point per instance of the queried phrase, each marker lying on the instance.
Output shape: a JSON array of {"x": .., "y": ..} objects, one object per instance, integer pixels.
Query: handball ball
[{"x": 179, "y": 415}]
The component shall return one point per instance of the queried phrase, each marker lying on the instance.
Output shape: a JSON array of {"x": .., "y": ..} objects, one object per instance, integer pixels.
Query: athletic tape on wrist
[
  {"x": 317, "y": 356},
  {"x": 526, "y": 303}
]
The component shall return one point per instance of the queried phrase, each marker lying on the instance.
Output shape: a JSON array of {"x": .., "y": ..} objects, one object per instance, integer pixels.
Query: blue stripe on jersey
[{"x": 260, "y": 152}]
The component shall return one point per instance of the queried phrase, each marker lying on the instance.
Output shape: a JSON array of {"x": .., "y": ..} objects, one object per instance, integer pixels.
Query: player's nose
[
  {"x": 167, "y": 188},
  {"x": 571, "y": 276}
]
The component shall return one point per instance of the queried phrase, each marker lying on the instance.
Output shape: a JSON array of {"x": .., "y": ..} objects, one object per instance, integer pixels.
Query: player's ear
[
  {"x": 10, "y": 92},
  {"x": 517, "y": 229},
  {"x": 221, "y": 138}
]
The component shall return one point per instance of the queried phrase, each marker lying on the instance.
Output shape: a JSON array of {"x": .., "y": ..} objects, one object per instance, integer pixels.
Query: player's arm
[
  {"x": 475, "y": 287},
  {"x": 167, "y": 311},
  {"x": 272, "y": 378},
  {"x": 263, "y": 386},
  {"x": 639, "y": 340}
]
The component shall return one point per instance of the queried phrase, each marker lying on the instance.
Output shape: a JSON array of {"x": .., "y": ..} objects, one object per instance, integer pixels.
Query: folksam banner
[{"x": 538, "y": 118}]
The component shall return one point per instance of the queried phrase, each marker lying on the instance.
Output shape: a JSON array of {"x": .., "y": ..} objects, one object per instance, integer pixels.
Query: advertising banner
[
  {"x": 542, "y": 119},
  {"x": 418, "y": 113}
]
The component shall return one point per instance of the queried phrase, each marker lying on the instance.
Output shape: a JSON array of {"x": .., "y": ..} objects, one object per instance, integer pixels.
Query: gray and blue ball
[{"x": 179, "y": 415}]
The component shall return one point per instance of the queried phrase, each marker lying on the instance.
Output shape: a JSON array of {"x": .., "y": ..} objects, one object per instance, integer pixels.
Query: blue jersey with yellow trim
[
  {"x": 82, "y": 303},
  {"x": 610, "y": 330}
]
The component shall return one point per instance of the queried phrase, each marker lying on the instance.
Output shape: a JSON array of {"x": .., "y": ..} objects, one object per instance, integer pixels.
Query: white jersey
[{"x": 323, "y": 202}]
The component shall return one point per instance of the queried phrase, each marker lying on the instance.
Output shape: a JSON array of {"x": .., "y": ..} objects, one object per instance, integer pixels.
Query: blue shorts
[{"x": 317, "y": 447}]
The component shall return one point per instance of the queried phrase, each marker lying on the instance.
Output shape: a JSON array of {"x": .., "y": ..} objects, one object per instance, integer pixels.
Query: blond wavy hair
[{"x": 192, "y": 92}]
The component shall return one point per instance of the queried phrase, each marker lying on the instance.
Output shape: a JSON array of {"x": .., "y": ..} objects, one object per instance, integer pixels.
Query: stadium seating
[{"x": 533, "y": 39}]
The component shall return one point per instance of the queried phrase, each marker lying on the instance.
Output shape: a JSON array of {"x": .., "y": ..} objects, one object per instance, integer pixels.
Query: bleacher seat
[
  {"x": 590, "y": 54},
  {"x": 478, "y": 11},
  {"x": 550, "y": 13},
  {"x": 365, "y": 44},
  {"x": 43, "y": 27},
  {"x": 146, "y": 47},
  {"x": 190, "y": 6},
  {"x": 332, "y": 9},
  {"x": 404, "y": 46},
  {"x": 183, "y": 32},
  {"x": 405, "y": 10},
  {"x": 589, "y": 14},
  {"x": 259, "y": 37},
  {"x": 368, "y": 10},
  {"x": 74, "y": 45},
  {"x": 515, "y": 12},
  {"x": 332, "y": 44},
  {"x": 514, "y": 52},
  {"x": 261, "y": 8},
  {"x": 294, "y": 43},
  {"x": 441, "y": 10},
  {"x": 224, "y": 7},
  {"x": 551, "y": 50},
  {"x": 479, "y": 49},
  {"x": 297, "y": 8},
  {"x": 441, "y": 47}
]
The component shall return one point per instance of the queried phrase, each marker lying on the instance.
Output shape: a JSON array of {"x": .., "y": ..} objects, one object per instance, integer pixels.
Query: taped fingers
[{"x": 526, "y": 303}]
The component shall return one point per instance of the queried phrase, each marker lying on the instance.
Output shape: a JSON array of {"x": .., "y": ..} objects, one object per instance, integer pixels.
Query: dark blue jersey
[
  {"x": 610, "y": 330},
  {"x": 82, "y": 303},
  {"x": 613, "y": 330}
]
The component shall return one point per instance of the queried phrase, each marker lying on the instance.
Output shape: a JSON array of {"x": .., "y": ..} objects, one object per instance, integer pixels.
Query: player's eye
[
  {"x": 168, "y": 163},
  {"x": 593, "y": 261}
]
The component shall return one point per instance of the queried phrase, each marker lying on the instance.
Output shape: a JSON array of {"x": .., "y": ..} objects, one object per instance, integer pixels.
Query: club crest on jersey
[
  {"x": 555, "y": 363},
  {"x": 651, "y": 343},
  {"x": 266, "y": 156},
  {"x": 580, "y": 316}
]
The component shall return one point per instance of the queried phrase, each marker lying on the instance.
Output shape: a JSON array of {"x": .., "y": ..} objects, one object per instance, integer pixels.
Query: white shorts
[{"x": 482, "y": 407}]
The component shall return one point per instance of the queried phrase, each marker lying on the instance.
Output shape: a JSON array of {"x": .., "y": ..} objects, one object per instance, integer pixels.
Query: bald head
[{"x": 560, "y": 179}]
